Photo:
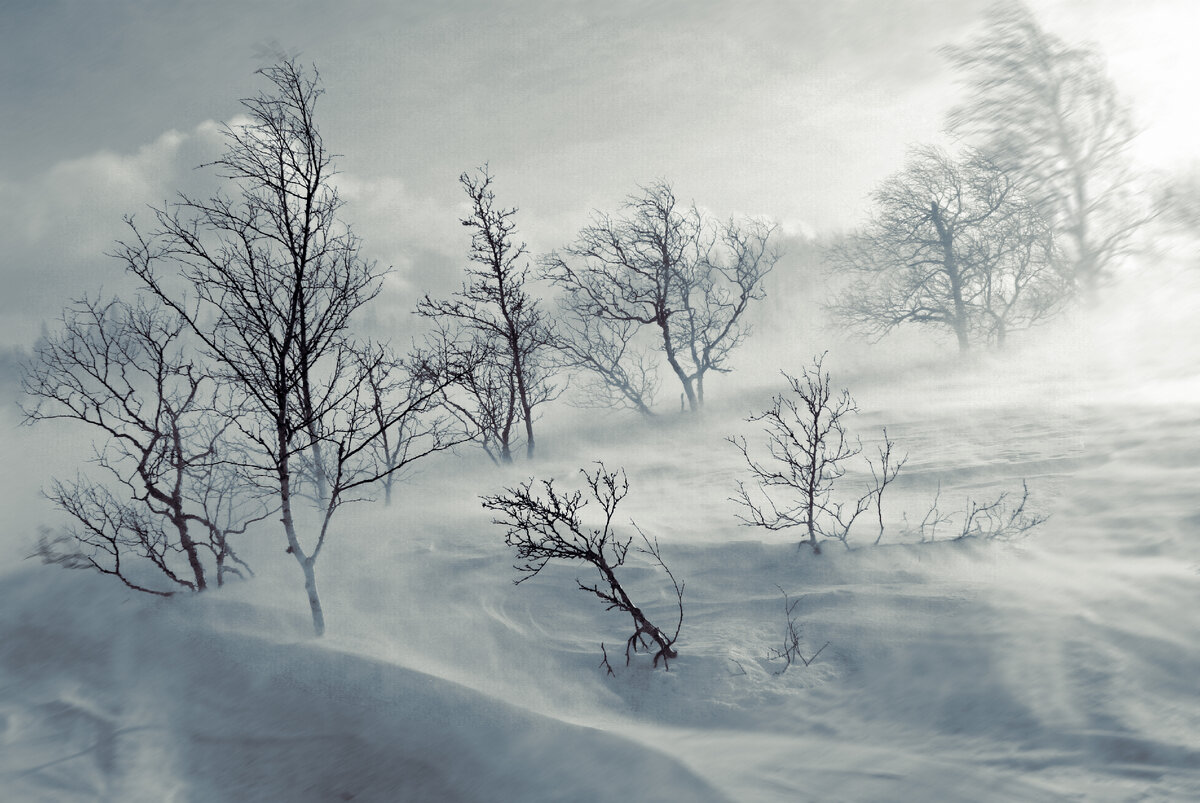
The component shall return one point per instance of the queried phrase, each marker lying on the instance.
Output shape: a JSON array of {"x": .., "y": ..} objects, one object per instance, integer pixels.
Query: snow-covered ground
[{"x": 1063, "y": 665}]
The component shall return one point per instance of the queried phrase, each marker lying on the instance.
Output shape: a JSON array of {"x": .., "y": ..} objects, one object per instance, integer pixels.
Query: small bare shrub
[
  {"x": 790, "y": 652},
  {"x": 547, "y": 525},
  {"x": 999, "y": 519},
  {"x": 808, "y": 450}
]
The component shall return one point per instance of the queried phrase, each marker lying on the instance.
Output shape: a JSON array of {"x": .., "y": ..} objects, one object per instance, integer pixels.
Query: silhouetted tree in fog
[
  {"x": 1048, "y": 114},
  {"x": 267, "y": 278},
  {"x": 664, "y": 266},
  {"x": 124, "y": 371},
  {"x": 502, "y": 322},
  {"x": 952, "y": 244}
]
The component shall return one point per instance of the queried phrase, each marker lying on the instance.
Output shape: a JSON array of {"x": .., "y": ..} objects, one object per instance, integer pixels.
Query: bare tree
[
  {"x": 267, "y": 279},
  {"x": 549, "y": 526},
  {"x": 123, "y": 370},
  {"x": 402, "y": 418},
  {"x": 664, "y": 266},
  {"x": 1049, "y": 114},
  {"x": 808, "y": 448},
  {"x": 952, "y": 244},
  {"x": 617, "y": 372},
  {"x": 505, "y": 321}
]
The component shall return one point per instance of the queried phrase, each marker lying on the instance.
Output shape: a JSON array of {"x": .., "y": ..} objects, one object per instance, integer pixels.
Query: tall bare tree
[
  {"x": 123, "y": 370},
  {"x": 1049, "y": 114},
  {"x": 267, "y": 279},
  {"x": 665, "y": 266},
  {"x": 952, "y": 244},
  {"x": 506, "y": 324}
]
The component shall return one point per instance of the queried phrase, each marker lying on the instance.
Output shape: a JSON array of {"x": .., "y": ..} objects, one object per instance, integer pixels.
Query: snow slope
[{"x": 1060, "y": 666}]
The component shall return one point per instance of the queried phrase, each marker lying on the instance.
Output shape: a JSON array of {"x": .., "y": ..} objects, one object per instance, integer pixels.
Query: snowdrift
[{"x": 1060, "y": 666}]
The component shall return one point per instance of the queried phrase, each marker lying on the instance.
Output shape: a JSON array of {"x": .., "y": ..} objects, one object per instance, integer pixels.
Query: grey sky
[{"x": 792, "y": 110}]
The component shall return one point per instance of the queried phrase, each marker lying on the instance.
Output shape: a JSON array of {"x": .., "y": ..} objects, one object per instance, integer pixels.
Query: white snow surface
[{"x": 1060, "y": 666}]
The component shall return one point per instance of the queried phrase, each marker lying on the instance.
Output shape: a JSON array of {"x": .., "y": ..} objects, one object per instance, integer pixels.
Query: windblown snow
[{"x": 1061, "y": 665}]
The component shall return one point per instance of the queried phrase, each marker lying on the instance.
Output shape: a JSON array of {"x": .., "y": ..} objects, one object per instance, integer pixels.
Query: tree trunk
[
  {"x": 526, "y": 408},
  {"x": 669, "y": 349},
  {"x": 189, "y": 548},
  {"x": 950, "y": 267},
  {"x": 289, "y": 529},
  {"x": 960, "y": 332},
  {"x": 314, "y": 601},
  {"x": 812, "y": 514}
]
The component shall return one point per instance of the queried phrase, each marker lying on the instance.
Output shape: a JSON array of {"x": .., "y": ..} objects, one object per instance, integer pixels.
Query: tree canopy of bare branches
[
  {"x": 665, "y": 266},
  {"x": 952, "y": 244},
  {"x": 549, "y": 526},
  {"x": 503, "y": 324},
  {"x": 1049, "y": 114},
  {"x": 267, "y": 277},
  {"x": 124, "y": 371}
]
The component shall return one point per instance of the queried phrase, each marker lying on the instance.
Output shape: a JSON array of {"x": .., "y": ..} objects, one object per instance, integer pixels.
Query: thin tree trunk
[
  {"x": 314, "y": 600},
  {"x": 693, "y": 405},
  {"x": 289, "y": 529},
  {"x": 526, "y": 408}
]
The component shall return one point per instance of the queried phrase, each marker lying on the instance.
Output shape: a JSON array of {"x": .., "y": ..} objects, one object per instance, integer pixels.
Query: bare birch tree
[
  {"x": 547, "y": 525},
  {"x": 505, "y": 323},
  {"x": 163, "y": 522},
  {"x": 808, "y": 450},
  {"x": 267, "y": 279},
  {"x": 663, "y": 265}
]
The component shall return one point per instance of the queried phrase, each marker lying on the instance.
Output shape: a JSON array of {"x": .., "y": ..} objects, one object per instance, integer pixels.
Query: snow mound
[{"x": 108, "y": 697}]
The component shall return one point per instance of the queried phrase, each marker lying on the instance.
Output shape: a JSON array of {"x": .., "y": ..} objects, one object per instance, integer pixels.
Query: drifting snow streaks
[
  {"x": 954, "y": 671},
  {"x": 808, "y": 450}
]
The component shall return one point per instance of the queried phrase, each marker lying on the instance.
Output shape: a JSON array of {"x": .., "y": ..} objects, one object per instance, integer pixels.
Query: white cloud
[{"x": 57, "y": 225}]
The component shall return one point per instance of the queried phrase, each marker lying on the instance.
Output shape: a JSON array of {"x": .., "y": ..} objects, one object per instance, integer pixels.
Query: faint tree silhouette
[
  {"x": 664, "y": 266},
  {"x": 1048, "y": 113}
]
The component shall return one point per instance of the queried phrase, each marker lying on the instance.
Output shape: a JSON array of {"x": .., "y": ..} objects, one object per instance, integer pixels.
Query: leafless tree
[
  {"x": 402, "y": 419},
  {"x": 548, "y": 526},
  {"x": 952, "y": 244},
  {"x": 665, "y": 266},
  {"x": 123, "y": 370},
  {"x": 616, "y": 371},
  {"x": 808, "y": 449},
  {"x": 934, "y": 517},
  {"x": 510, "y": 331},
  {"x": 267, "y": 279},
  {"x": 1049, "y": 114}
]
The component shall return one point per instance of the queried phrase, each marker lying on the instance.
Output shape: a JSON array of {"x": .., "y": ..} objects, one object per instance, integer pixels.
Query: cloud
[{"x": 59, "y": 224}]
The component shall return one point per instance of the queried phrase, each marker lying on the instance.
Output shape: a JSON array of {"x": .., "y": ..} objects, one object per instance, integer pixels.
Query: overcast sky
[{"x": 791, "y": 110}]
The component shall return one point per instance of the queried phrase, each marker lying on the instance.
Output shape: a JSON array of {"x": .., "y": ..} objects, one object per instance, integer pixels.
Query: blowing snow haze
[{"x": 486, "y": 306}]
